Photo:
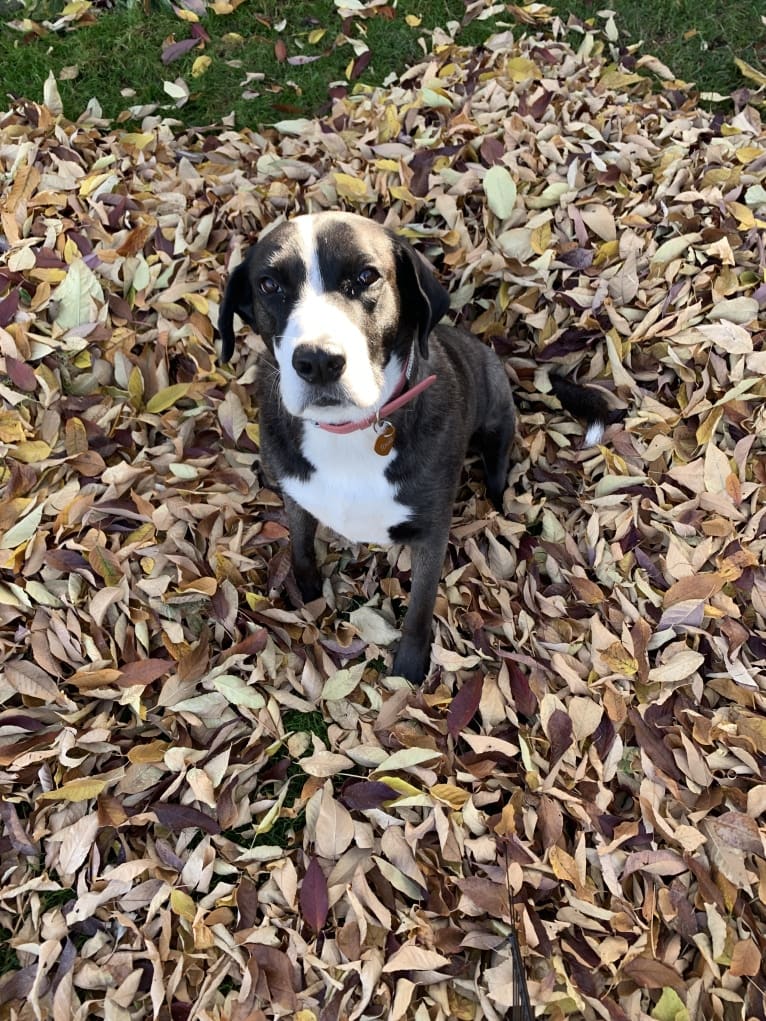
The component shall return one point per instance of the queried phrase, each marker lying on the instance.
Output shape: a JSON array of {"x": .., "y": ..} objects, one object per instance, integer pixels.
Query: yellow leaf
[
  {"x": 153, "y": 751},
  {"x": 84, "y": 789},
  {"x": 91, "y": 182},
  {"x": 413, "y": 20},
  {"x": 521, "y": 69},
  {"x": 76, "y": 8},
  {"x": 617, "y": 80},
  {"x": 708, "y": 427},
  {"x": 185, "y": 15},
  {"x": 200, "y": 65},
  {"x": 454, "y": 796},
  {"x": 253, "y": 432},
  {"x": 399, "y": 191},
  {"x": 399, "y": 785},
  {"x": 748, "y": 153},
  {"x": 349, "y": 187},
  {"x": 75, "y": 437},
  {"x": 315, "y": 35},
  {"x": 198, "y": 301},
  {"x": 564, "y": 866},
  {"x": 540, "y": 238},
  {"x": 606, "y": 252},
  {"x": 750, "y": 72},
  {"x": 619, "y": 660},
  {"x": 182, "y": 904},
  {"x": 389, "y": 127},
  {"x": 143, "y": 534},
  {"x": 137, "y": 139},
  {"x": 167, "y": 397},
  {"x": 31, "y": 451},
  {"x": 11, "y": 427},
  {"x": 136, "y": 386},
  {"x": 71, "y": 251}
]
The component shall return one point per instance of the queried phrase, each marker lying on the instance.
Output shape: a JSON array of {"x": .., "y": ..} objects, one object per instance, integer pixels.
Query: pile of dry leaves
[{"x": 216, "y": 806}]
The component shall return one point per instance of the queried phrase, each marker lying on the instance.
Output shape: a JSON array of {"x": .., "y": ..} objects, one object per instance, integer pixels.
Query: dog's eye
[
  {"x": 268, "y": 285},
  {"x": 367, "y": 276}
]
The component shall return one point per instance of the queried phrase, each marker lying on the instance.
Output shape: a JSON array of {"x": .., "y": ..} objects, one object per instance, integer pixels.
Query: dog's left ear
[
  {"x": 421, "y": 295},
  {"x": 238, "y": 298}
]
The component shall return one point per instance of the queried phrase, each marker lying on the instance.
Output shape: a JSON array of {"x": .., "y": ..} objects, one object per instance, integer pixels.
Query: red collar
[{"x": 399, "y": 398}]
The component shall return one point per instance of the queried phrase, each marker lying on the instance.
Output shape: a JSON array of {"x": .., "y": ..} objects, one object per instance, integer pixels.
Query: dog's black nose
[{"x": 316, "y": 365}]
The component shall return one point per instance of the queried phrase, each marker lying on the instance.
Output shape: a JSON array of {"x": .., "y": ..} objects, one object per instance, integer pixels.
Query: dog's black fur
[{"x": 470, "y": 403}]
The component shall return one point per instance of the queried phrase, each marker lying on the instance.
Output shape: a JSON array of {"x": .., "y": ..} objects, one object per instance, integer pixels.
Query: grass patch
[
  {"x": 122, "y": 50},
  {"x": 698, "y": 41},
  {"x": 9, "y": 960}
]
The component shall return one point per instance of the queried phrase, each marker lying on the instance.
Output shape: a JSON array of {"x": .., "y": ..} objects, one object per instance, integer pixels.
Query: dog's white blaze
[
  {"x": 349, "y": 491},
  {"x": 316, "y": 320}
]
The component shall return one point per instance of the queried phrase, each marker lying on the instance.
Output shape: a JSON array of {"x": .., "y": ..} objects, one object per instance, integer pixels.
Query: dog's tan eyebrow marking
[{"x": 308, "y": 246}]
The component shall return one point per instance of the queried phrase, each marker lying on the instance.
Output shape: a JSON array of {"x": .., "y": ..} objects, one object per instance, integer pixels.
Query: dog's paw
[{"x": 412, "y": 661}]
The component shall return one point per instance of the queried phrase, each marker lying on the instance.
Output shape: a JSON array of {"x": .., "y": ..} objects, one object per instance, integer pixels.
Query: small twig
[{"x": 521, "y": 1009}]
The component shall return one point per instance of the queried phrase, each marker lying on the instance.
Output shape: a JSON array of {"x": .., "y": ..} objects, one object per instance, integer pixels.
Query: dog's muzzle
[{"x": 317, "y": 365}]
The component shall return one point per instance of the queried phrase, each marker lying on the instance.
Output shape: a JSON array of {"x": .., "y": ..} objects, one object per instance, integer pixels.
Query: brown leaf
[
  {"x": 649, "y": 973},
  {"x": 745, "y": 958},
  {"x": 313, "y": 896},
  {"x": 464, "y": 705}
]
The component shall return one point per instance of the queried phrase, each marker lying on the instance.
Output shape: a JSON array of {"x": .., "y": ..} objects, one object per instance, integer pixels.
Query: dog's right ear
[
  {"x": 238, "y": 298},
  {"x": 423, "y": 297}
]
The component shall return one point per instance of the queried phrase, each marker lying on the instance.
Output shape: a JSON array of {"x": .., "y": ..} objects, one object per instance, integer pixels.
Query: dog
[{"x": 367, "y": 403}]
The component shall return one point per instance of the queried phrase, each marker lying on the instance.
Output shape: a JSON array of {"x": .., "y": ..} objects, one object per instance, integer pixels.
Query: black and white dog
[{"x": 367, "y": 406}]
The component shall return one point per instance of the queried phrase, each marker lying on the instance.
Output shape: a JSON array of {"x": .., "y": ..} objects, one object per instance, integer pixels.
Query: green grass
[
  {"x": 8, "y": 958},
  {"x": 698, "y": 41},
  {"x": 122, "y": 50}
]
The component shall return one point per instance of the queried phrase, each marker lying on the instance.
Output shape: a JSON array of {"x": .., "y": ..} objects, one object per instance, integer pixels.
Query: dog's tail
[{"x": 586, "y": 403}]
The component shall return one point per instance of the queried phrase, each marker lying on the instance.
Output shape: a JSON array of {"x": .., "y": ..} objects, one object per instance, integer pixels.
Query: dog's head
[{"x": 340, "y": 301}]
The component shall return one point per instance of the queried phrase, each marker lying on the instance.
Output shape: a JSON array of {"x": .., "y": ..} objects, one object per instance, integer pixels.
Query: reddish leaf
[
  {"x": 360, "y": 64},
  {"x": 650, "y": 740},
  {"x": 559, "y": 733},
  {"x": 367, "y": 794},
  {"x": 252, "y": 645},
  {"x": 199, "y": 32},
  {"x": 180, "y": 817},
  {"x": 649, "y": 973},
  {"x": 22, "y": 374},
  {"x": 144, "y": 671},
  {"x": 314, "y": 899},
  {"x": 15, "y": 830},
  {"x": 280, "y": 51},
  {"x": 523, "y": 696},
  {"x": 465, "y": 704},
  {"x": 9, "y": 307},
  {"x": 173, "y": 51},
  {"x": 276, "y": 978}
]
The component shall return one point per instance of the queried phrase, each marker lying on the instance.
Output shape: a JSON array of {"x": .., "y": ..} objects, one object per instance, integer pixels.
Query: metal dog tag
[{"x": 384, "y": 442}]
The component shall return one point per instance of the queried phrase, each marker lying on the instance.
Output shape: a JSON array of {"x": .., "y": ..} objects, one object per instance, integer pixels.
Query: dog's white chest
[{"x": 349, "y": 491}]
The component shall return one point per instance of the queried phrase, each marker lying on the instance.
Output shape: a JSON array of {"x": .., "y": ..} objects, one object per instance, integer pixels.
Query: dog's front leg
[
  {"x": 414, "y": 653},
  {"x": 303, "y": 528}
]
